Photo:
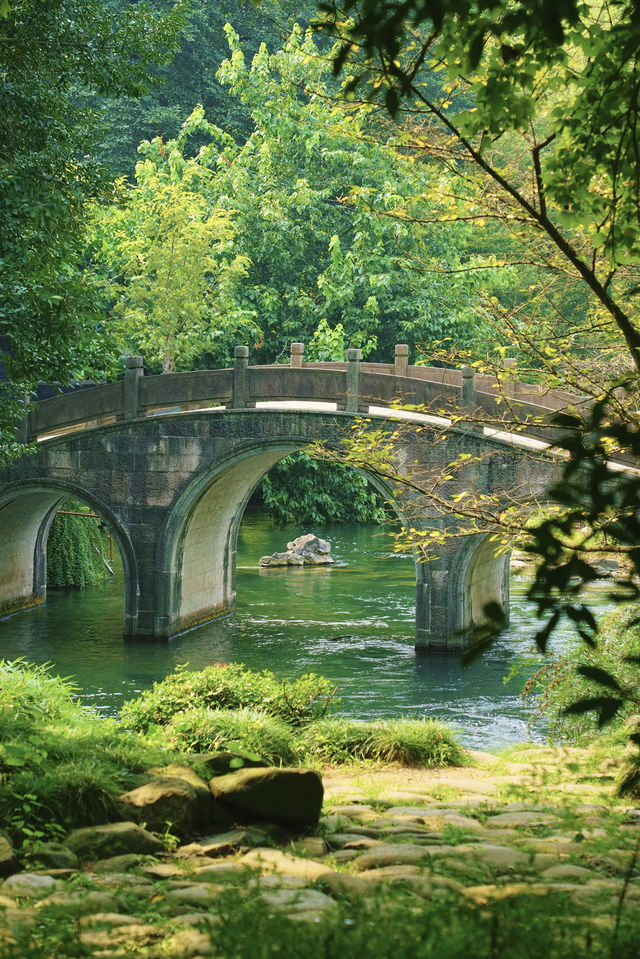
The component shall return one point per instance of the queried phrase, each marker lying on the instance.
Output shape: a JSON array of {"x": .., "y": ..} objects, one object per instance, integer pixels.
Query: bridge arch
[
  {"x": 196, "y": 570},
  {"x": 27, "y": 511},
  {"x": 478, "y": 575}
]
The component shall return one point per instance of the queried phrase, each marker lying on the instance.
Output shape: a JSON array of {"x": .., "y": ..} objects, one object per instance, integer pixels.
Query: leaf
[
  {"x": 598, "y": 675},
  {"x": 606, "y": 706}
]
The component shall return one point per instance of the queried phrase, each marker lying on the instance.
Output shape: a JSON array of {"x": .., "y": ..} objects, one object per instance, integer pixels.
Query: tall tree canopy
[
  {"x": 554, "y": 87},
  {"x": 317, "y": 196},
  {"x": 50, "y": 321}
]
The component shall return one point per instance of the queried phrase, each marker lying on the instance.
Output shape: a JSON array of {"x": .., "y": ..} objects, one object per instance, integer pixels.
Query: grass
[
  {"x": 253, "y": 731},
  {"x": 408, "y": 742},
  {"x": 63, "y": 766},
  {"x": 389, "y": 922}
]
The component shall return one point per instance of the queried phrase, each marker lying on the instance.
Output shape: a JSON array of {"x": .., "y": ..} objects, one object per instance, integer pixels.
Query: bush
[
  {"x": 229, "y": 686},
  {"x": 75, "y": 549},
  {"x": 61, "y": 765},
  {"x": 557, "y": 683},
  {"x": 300, "y": 489},
  {"x": 423, "y": 742},
  {"x": 251, "y": 730}
]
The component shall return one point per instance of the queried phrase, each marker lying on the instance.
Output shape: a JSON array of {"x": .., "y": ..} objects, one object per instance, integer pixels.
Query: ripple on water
[{"x": 353, "y": 623}]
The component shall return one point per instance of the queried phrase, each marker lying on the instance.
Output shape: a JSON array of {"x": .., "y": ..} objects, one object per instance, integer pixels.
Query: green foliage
[
  {"x": 252, "y": 730},
  {"x": 169, "y": 261},
  {"x": 228, "y": 686},
  {"x": 409, "y": 742},
  {"x": 189, "y": 78},
  {"x": 581, "y": 675},
  {"x": 315, "y": 195},
  {"x": 50, "y": 312},
  {"x": 75, "y": 548},
  {"x": 300, "y": 489},
  {"x": 61, "y": 765},
  {"x": 389, "y": 921}
]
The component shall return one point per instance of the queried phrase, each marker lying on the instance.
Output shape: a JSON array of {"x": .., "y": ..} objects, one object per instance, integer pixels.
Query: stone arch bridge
[{"x": 170, "y": 462}]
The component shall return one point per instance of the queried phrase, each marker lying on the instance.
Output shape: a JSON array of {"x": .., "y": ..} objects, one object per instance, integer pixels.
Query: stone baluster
[
  {"x": 24, "y": 432},
  {"x": 468, "y": 389},
  {"x": 468, "y": 396},
  {"x": 401, "y": 366},
  {"x": 133, "y": 373},
  {"x": 509, "y": 382},
  {"x": 297, "y": 354},
  {"x": 353, "y": 381},
  {"x": 240, "y": 364}
]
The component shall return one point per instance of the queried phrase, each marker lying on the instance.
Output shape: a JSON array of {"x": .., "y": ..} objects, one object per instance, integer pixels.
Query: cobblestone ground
[{"x": 536, "y": 828}]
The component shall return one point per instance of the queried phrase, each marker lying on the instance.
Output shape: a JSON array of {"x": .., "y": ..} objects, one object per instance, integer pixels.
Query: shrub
[
  {"x": 75, "y": 549},
  {"x": 557, "y": 683},
  {"x": 252, "y": 730},
  {"x": 424, "y": 742},
  {"x": 32, "y": 693},
  {"x": 61, "y": 765},
  {"x": 301, "y": 490},
  {"x": 228, "y": 686}
]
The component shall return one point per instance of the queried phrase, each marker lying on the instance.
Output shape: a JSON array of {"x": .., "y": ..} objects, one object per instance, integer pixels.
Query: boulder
[
  {"x": 29, "y": 885},
  {"x": 8, "y": 861},
  {"x": 307, "y": 550},
  {"x": 101, "y": 842},
  {"x": 49, "y": 855},
  {"x": 219, "y": 762},
  {"x": 183, "y": 805},
  {"x": 288, "y": 797}
]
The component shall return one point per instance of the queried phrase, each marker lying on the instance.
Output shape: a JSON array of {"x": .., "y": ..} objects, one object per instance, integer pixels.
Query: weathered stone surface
[
  {"x": 307, "y": 905},
  {"x": 161, "y": 870},
  {"x": 273, "y": 860},
  {"x": 131, "y": 934},
  {"x": 52, "y": 855},
  {"x": 290, "y": 797},
  {"x": 568, "y": 871},
  {"x": 219, "y": 763},
  {"x": 170, "y": 800},
  {"x": 483, "y": 895},
  {"x": 500, "y": 858},
  {"x": 221, "y": 844},
  {"x": 101, "y": 842},
  {"x": 120, "y": 864},
  {"x": 179, "y": 771},
  {"x": 390, "y": 855},
  {"x": 310, "y": 846},
  {"x": 194, "y": 894},
  {"x": 350, "y": 840},
  {"x": 189, "y": 942},
  {"x": 82, "y": 902},
  {"x": 521, "y": 820},
  {"x": 277, "y": 881},
  {"x": 343, "y": 885},
  {"x": 307, "y": 550},
  {"x": 8, "y": 861},
  {"x": 30, "y": 886},
  {"x": 217, "y": 870}
]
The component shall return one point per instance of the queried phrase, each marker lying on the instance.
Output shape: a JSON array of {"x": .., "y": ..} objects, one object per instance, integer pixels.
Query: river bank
[{"x": 527, "y": 854}]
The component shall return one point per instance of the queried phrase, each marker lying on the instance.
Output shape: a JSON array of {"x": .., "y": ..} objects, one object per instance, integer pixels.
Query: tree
[
  {"x": 565, "y": 86},
  {"x": 50, "y": 313},
  {"x": 169, "y": 260},
  {"x": 557, "y": 88},
  {"x": 189, "y": 79}
]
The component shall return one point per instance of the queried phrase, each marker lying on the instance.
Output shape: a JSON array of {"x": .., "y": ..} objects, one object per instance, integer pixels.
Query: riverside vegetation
[{"x": 420, "y": 848}]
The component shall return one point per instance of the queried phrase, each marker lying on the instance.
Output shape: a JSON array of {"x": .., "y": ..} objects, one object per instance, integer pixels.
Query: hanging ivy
[{"x": 75, "y": 548}]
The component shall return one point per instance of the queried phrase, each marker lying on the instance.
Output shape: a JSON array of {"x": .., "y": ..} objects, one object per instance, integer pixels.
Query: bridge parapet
[{"x": 352, "y": 385}]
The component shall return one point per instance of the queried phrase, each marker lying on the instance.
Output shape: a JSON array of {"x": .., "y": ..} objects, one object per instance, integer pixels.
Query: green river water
[{"x": 352, "y": 622}]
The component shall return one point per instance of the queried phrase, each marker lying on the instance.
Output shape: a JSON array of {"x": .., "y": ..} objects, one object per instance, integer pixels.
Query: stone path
[{"x": 468, "y": 847}]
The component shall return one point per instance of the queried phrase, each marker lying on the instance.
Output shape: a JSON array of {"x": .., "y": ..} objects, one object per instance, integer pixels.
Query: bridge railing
[{"x": 351, "y": 385}]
